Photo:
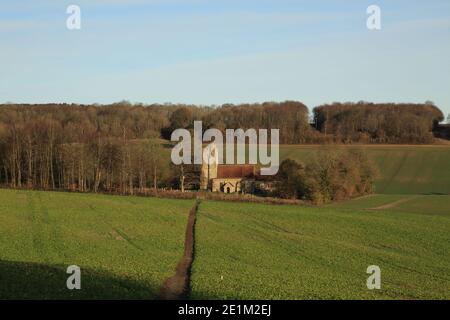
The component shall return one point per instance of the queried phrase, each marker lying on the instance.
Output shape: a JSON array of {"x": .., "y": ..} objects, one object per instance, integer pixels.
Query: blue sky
[{"x": 225, "y": 51}]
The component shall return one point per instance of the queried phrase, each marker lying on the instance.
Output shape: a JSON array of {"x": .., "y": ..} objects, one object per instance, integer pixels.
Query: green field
[
  {"x": 253, "y": 251},
  {"x": 125, "y": 246}
]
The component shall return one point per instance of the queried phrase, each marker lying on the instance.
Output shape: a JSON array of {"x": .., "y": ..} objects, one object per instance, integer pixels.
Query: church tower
[{"x": 210, "y": 161}]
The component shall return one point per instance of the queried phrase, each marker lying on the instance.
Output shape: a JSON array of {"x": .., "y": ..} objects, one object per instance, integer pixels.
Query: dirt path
[
  {"x": 177, "y": 286},
  {"x": 393, "y": 204}
]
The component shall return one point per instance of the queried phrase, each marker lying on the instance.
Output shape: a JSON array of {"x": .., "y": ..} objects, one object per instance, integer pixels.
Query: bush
[{"x": 329, "y": 176}]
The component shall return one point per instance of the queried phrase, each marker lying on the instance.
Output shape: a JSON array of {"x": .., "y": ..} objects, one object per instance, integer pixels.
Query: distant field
[
  {"x": 434, "y": 205},
  {"x": 252, "y": 251},
  {"x": 404, "y": 169},
  {"x": 125, "y": 246}
]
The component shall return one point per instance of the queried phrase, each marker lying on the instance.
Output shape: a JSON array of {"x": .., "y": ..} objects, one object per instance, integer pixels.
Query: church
[{"x": 227, "y": 178}]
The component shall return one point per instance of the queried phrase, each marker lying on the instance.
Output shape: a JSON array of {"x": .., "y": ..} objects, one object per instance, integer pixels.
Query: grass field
[
  {"x": 125, "y": 246},
  {"x": 252, "y": 251}
]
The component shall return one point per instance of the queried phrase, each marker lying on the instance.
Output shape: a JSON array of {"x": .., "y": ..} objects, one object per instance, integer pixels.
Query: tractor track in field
[
  {"x": 178, "y": 286},
  {"x": 394, "y": 204}
]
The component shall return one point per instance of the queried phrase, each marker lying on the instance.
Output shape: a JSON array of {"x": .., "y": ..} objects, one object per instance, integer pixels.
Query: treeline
[
  {"x": 378, "y": 123},
  {"x": 290, "y": 117},
  {"x": 115, "y": 147},
  {"x": 337, "y": 122},
  {"x": 83, "y": 148},
  {"x": 110, "y": 148}
]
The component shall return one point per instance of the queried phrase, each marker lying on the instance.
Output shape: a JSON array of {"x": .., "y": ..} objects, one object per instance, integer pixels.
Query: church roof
[{"x": 235, "y": 171}]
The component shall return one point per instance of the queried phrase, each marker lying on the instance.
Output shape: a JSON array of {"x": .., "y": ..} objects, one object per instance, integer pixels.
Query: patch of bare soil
[
  {"x": 177, "y": 286},
  {"x": 116, "y": 235}
]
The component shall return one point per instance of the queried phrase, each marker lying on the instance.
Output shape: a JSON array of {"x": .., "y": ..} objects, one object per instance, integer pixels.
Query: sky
[{"x": 212, "y": 52}]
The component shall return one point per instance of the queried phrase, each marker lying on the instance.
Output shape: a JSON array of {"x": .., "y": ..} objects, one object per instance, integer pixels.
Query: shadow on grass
[
  {"x": 26, "y": 280},
  {"x": 435, "y": 194}
]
